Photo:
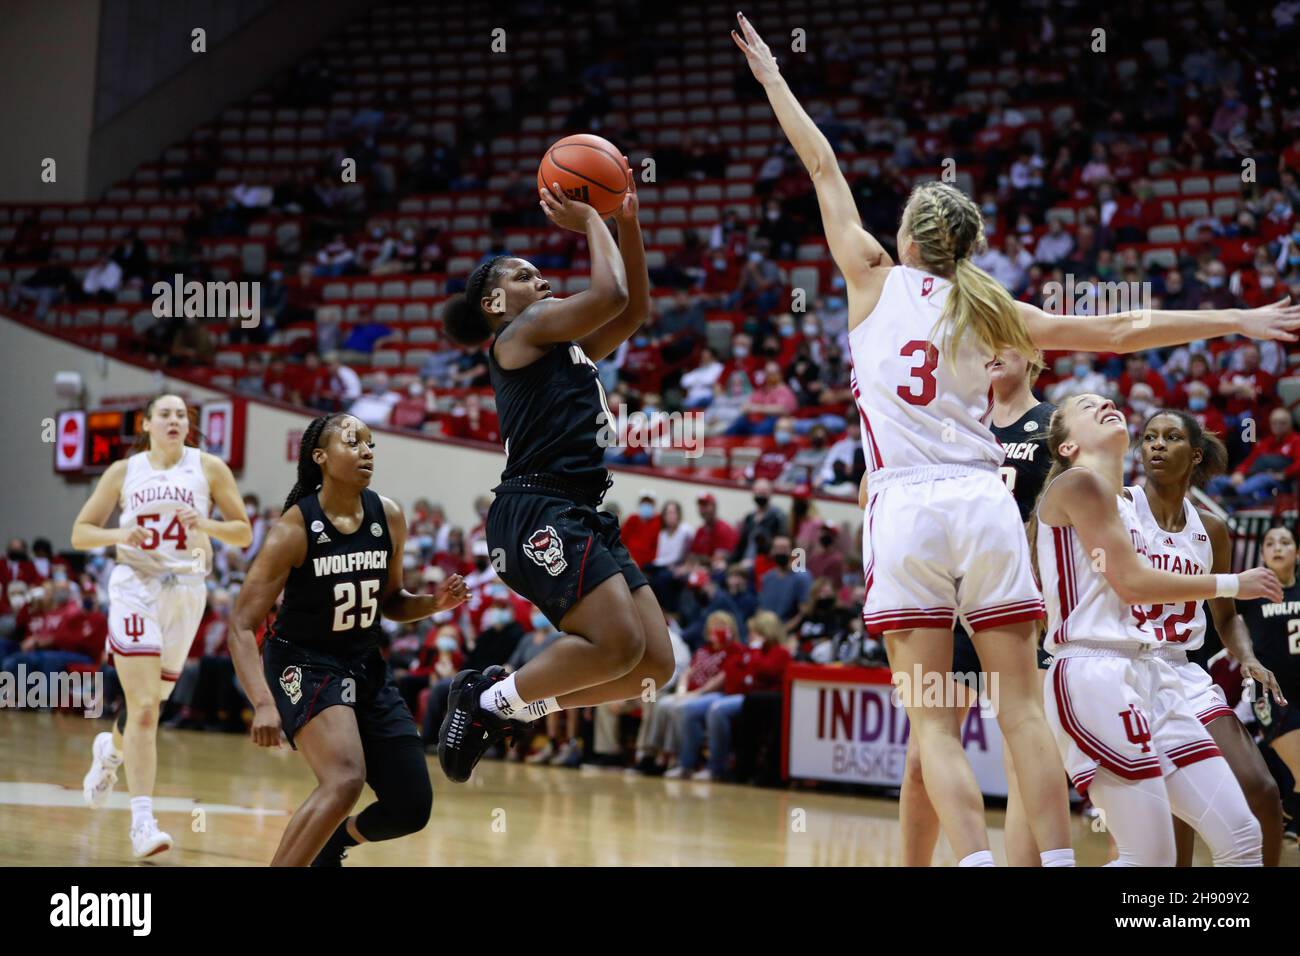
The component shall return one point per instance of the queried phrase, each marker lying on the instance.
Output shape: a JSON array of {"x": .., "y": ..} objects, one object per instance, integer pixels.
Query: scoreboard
[{"x": 88, "y": 441}]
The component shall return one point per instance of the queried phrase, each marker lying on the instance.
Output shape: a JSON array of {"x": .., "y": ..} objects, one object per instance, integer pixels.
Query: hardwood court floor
[{"x": 226, "y": 802}]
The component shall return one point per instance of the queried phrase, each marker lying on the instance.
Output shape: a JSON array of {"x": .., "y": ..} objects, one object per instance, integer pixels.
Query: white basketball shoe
[
  {"x": 99, "y": 780},
  {"x": 148, "y": 840}
]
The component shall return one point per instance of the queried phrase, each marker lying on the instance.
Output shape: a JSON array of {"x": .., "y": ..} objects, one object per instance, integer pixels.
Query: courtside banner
[{"x": 842, "y": 724}]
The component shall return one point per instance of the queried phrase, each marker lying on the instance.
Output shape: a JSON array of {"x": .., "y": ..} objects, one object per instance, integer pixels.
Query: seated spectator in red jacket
[
  {"x": 1271, "y": 468},
  {"x": 1137, "y": 369},
  {"x": 59, "y": 631},
  {"x": 772, "y": 462},
  {"x": 1250, "y": 389},
  {"x": 759, "y": 667},
  {"x": 18, "y": 566},
  {"x": 469, "y": 419},
  {"x": 46, "y": 562},
  {"x": 640, "y": 531},
  {"x": 713, "y": 536},
  {"x": 1200, "y": 402},
  {"x": 411, "y": 409}
]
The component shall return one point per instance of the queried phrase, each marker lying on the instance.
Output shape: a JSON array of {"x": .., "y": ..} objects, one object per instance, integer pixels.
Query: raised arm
[
  {"x": 284, "y": 549},
  {"x": 611, "y": 335},
  {"x": 1082, "y": 500},
  {"x": 1138, "y": 329},
  {"x": 855, "y": 251},
  {"x": 552, "y": 320}
]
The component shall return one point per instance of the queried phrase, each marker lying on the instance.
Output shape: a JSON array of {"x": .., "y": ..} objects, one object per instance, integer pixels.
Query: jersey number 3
[
  {"x": 345, "y": 598},
  {"x": 924, "y": 373}
]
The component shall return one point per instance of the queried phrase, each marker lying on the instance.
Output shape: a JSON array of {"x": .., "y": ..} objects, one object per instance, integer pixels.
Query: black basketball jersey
[
  {"x": 331, "y": 600},
  {"x": 1275, "y": 633},
  {"x": 1028, "y": 460},
  {"x": 553, "y": 416}
]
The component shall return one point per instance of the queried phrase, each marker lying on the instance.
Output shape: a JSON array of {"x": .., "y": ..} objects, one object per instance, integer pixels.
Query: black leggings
[{"x": 398, "y": 773}]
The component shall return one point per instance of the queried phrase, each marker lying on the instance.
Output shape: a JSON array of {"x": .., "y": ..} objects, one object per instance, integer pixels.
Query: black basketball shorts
[
  {"x": 554, "y": 550},
  {"x": 304, "y": 682}
]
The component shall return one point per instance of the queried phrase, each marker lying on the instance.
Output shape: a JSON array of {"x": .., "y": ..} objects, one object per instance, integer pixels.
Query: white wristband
[{"x": 1226, "y": 585}]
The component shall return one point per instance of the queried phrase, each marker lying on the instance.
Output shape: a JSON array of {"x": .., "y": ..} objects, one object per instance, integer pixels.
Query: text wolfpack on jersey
[{"x": 103, "y": 909}]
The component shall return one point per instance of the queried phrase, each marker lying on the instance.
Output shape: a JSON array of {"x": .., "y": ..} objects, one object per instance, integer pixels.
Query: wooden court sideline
[{"x": 507, "y": 815}]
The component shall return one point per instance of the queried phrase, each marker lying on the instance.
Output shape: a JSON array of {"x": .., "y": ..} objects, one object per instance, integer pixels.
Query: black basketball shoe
[{"x": 468, "y": 731}]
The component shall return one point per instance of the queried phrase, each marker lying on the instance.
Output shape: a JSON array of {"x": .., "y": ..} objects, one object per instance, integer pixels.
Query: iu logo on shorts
[
  {"x": 1137, "y": 728},
  {"x": 133, "y": 627}
]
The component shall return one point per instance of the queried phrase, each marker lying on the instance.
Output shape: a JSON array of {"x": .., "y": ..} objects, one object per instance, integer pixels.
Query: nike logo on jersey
[{"x": 347, "y": 563}]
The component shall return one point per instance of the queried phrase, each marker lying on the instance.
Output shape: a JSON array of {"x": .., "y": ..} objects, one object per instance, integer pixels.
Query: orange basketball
[{"x": 588, "y": 168}]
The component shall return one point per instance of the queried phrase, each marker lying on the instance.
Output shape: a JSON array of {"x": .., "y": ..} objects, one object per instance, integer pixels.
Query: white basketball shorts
[
  {"x": 154, "y": 615},
  {"x": 1122, "y": 710},
  {"x": 941, "y": 542}
]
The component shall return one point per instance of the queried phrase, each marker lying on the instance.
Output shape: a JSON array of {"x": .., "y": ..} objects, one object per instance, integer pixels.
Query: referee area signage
[{"x": 844, "y": 724}]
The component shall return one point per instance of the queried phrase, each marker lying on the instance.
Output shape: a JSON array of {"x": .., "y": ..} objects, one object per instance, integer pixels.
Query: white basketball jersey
[
  {"x": 151, "y": 499},
  {"x": 1177, "y": 626},
  {"x": 917, "y": 407},
  {"x": 1081, "y": 604}
]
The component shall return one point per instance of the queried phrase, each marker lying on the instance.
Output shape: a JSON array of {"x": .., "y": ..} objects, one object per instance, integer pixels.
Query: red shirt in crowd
[
  {"x": 641, "y": 538},
  {"x": 713, "y": 537},
  {"x": 708, "y": 661},
  {"x": 1265, "y": 387},
  {"x": 1288, "y": 445},
  {"x": 755, "y": 668}
]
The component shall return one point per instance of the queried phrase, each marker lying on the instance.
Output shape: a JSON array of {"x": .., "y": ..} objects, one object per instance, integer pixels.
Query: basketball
[{"x": 588, "y": 168}]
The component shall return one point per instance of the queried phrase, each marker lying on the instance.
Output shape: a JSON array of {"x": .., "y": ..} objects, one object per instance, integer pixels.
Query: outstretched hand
[
  {"x": 1280, "y": 321},
  {"x": 761, "y": 60}
]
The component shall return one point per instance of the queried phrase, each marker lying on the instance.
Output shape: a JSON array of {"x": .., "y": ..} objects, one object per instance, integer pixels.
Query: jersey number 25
[{"x": 345, "y": 598}]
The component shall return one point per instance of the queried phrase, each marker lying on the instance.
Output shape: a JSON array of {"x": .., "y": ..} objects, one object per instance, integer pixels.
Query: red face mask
[{"x": 720, "y": 635}]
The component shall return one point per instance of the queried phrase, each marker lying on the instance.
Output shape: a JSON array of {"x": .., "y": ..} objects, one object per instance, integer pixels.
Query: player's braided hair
[
  {"x": 946, "y": 229},
  {"x": 464, "y": 319},
  {"x": 1214, "y": 454},
  {"x": 309, "y": 473}
]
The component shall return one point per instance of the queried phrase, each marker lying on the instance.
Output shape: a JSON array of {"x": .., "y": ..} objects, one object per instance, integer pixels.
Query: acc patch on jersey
[
  {"x": 291, "y": 682},
  {"x": 544, "y": 547}
]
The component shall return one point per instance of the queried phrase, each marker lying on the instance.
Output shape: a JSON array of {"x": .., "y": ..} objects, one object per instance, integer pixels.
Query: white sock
[
  {"x": 1062, "y": 857},
  {"x": 538, "y": 708},
  {"x": 141, "y": 810},
  {"x": 978, "y": 858}
]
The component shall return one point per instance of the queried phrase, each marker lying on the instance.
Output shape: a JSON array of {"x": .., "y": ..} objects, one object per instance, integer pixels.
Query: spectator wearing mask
[
  {"x": 640, "y": 531},
  {"x": 705, "y": 598},
  {"x": 822, "y": 623},
  {"x": 375, "y": 405},
  {"x": 1078, "y": 378},
  {"x": 1137, "y": 369},
  {"x": 783, "y": 589},
  {"x": 18, "y": 565},
  {"x": 772, "y": 463},
  {"x": 826, "y": 559},
  {"x": 1199, "y": 401},
  {"x": 765, "y": 522},
  {"x": 59, "y": 631},
  {"x": 44, "y": 560},
  {"x": 688, "y": 709},
  {"x": 1270, "y": 469},
  {"x": 759, "y": 667},
  {"x": 1055, "y": 246}
]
